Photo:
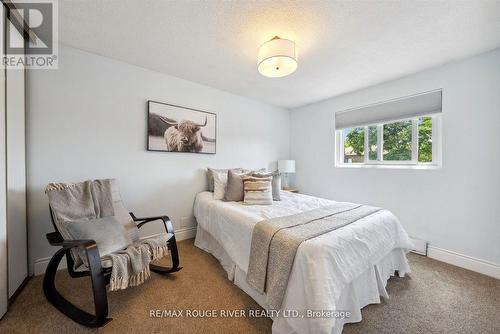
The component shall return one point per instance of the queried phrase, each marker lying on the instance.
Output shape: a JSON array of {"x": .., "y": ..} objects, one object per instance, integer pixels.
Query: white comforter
[{"x": 323, "y": 266}]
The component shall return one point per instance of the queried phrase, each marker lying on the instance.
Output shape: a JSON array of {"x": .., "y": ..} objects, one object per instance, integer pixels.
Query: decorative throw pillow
[
  {"x": 234, "y": 189},
  {"x": 212, "y": 171},
  {"x": 220, "y": 183},
  {"x": 108, "y": 233},
  {"x": 258, "y": 190},
  {"x": 276, "y": 183}
]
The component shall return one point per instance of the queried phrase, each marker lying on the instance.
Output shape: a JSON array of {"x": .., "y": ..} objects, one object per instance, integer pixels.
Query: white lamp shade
[
  {"x": 277, "y": 58},
  {"x": 286, "y": 166}
]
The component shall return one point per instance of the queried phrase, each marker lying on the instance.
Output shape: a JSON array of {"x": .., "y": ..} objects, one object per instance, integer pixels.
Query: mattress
[{"x": 368, "y": 250}]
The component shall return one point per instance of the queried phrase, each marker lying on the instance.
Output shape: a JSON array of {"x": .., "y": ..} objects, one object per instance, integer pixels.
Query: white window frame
[{"x": 410, "y": 164}]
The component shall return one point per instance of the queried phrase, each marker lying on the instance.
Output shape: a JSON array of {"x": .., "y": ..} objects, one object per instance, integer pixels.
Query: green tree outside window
[{"x": 397, "y": 137}]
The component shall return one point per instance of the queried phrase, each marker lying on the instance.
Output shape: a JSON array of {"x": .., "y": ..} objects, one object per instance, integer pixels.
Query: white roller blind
[{"x": 406, "y": 107}]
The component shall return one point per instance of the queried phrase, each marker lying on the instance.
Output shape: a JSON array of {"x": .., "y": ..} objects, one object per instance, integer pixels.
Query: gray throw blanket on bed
[{"x": 275, "y": 243}]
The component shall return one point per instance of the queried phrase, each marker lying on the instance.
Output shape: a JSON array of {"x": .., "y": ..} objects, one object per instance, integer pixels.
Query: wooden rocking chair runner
[{"x": 100, "y": 276}]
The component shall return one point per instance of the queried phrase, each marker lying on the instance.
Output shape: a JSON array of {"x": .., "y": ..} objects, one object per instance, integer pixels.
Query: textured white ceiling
[{"x": 343, "y": 45}]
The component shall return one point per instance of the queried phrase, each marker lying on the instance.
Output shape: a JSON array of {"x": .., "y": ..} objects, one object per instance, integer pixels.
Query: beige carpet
[{"x": 436, "y": 298}]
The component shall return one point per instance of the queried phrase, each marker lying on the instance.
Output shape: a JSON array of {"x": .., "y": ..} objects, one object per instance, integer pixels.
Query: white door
[
  {"x": 16, "y": 173},
  {"x": 3, "y": 198},
  {"x": 13, "y": 227}
]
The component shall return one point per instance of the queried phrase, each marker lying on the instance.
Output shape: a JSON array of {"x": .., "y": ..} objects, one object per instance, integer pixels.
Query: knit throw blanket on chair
[
  {"x": 131, "y": 266},
  {"x": 92, "y": 200},
  {"x": 88, "y": 200}
]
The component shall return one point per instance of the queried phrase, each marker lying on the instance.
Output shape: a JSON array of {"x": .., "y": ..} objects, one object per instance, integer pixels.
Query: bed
[{"x": 333, "y": 275}]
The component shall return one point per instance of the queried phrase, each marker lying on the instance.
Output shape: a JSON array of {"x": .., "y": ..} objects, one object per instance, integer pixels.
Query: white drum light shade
[
  {"x": 286, "y": 166},
  {"x": 277, "y": 58}
]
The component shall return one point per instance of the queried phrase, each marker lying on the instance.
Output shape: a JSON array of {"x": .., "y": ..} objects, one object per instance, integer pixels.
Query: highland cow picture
[{"x": 174, "y": 128}]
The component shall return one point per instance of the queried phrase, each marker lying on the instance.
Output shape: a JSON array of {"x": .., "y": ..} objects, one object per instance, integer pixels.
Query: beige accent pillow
[{"x": 258, "y": 190}]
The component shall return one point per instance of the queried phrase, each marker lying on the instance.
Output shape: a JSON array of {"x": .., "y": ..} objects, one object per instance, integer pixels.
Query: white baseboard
[
  {"x": 41, "y": 265},
  {"x": 185, "y": 233},
  {"x": 180, "y": 234},
  {"x": 420, "y": 246},
  {"x": 464, "y": 261}
]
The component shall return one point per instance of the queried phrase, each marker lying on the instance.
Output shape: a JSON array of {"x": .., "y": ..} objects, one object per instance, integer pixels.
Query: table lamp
[{"x": 286, "y": 167}]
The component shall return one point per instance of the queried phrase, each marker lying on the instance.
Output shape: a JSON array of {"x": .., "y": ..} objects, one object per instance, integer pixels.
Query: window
[
  {"x": 402, "y": 133},
  {"x": 397, "y": 141},
  {"x": 404, "y": 142},
  {"x": 425, "y": 139},
  {"x": 354, "y": 145}
]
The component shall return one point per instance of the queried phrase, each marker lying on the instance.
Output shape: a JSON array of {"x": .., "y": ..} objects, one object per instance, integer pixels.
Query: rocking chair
[{"x": 97, "y": 269}]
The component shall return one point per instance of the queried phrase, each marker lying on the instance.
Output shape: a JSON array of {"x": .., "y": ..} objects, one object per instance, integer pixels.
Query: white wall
[
  {"x": 88, "y": 120},
  {"x": 455, "y": 208}
]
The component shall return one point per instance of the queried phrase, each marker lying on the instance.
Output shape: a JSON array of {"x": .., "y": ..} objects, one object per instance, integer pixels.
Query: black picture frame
[{"x": 154, "y": 129}]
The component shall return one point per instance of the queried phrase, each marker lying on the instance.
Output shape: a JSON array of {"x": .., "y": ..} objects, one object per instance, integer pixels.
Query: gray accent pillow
[
  {"x": 234, "y": 189},
  {"x": 108, "y": 233},
  {"x": 276, "y": 183}
]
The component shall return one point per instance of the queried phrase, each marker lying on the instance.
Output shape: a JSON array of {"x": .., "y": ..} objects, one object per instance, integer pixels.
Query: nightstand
[{"x": 291, "y": 190}]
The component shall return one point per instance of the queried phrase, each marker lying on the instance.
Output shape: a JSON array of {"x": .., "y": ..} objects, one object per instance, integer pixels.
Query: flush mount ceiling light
[{"x": 277, "y": 58}]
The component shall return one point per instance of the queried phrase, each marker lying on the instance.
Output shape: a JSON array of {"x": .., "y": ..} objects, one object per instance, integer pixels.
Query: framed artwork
[{"x": 174, "y": 128}]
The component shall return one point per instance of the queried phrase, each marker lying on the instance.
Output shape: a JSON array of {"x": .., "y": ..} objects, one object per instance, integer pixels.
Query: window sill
[{"x": 381, "y": 166}]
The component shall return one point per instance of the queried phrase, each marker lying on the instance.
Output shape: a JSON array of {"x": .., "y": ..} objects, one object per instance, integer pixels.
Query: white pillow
[{"x": 220, "y": 184}]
